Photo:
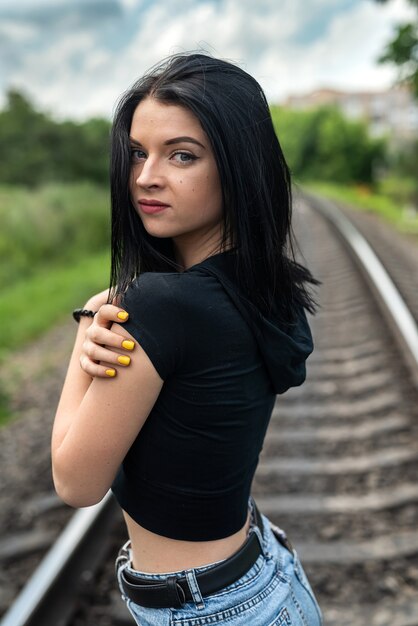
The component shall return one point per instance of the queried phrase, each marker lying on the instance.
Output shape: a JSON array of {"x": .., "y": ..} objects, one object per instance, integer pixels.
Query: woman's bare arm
[
  {"x": 78, "y": 381},
  {"x": 97, "y": 421}
]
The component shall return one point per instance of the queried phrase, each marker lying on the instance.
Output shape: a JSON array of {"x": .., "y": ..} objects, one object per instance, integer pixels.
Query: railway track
[{"x": 339, "y": 465}]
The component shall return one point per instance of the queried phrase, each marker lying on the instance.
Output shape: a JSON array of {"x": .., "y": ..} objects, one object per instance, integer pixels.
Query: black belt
[{"x": 174, "y": 591}]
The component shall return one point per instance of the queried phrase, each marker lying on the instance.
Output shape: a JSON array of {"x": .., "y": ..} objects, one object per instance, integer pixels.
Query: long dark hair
[{"x": 255, "y": 179}]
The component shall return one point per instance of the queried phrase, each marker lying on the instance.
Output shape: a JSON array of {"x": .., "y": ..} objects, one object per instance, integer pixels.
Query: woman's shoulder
[
  {"x": 156, "y": 289},
  {"x": 150, "y": 288},
  {"x": 149, "y": 280},
  {"x": 178, "y": 284}
]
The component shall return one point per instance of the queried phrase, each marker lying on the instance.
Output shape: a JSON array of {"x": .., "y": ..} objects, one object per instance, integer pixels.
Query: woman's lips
[{"x": 152, "y": 208}]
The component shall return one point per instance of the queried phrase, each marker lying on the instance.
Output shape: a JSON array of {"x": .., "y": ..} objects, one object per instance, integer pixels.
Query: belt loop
[
  {"x": 124, "y": 556},
  {"x": 251, "y": 505},
  {"x": 282, "y": 538},
  {"x": 255, "y": 514},
  {"x": 194, "y": 589},
  {"x": 121, "y": 564},
  {"x": 257, "y": 531}
]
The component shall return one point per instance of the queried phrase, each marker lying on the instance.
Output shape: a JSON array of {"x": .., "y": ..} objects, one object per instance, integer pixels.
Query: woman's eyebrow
[
  {"x": 183, "y": 140},
  {"x": 169, "y": 142}
]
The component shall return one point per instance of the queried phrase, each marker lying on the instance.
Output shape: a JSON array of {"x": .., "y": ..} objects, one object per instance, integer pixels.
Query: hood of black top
[{"x": 284, "y": 348}]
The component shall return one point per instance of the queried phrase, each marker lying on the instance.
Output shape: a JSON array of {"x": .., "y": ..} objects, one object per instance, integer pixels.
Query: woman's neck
[{"x": 188, "y": 258}]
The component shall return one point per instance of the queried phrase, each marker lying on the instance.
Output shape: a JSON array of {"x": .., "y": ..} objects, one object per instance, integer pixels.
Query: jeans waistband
[{"x": 175, "y": 588}]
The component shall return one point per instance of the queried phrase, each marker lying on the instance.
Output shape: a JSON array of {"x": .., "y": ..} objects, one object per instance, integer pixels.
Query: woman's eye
[
  {"x": 136, "y": 154},
  {"x": 184, "y": 157}
]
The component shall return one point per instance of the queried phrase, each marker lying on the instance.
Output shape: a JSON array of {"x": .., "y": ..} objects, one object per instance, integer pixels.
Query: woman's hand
[
  {"x": 95, "y": 302},
  {"x": 101, "y": 344}
]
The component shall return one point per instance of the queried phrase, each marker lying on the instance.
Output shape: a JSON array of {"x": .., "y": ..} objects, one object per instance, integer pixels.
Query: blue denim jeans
[{"x": 274, "y": 592}]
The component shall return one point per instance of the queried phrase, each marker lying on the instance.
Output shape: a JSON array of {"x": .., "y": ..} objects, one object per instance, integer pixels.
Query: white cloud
[
  {"x": 347, "y": 56},
  {"x": 17, "y": 32},
  {"x": 129, "y": 5},
  {"x": 81, "y": 71}
]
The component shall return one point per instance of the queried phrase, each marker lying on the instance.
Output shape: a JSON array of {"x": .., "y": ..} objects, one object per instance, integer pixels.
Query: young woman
[{"x": 177, "y": 383}]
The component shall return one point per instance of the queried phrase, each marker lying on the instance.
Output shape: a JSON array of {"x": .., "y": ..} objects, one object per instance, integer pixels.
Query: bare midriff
[{"x": 155, "y": 554}]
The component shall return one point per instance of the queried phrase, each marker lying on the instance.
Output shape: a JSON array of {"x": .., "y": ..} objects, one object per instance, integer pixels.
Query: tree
[
  {"x": 403, "y": 51},
  {"x": 24, "y": 136},
  {"x": 321, "y": 144},
  {"x": 35, "y": 149}
]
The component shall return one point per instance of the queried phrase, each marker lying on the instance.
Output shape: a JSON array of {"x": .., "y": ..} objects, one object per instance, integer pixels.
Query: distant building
[{"x": 393, "y": 111}]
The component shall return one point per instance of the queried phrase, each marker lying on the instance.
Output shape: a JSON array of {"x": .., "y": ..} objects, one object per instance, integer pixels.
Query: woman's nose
[{"x": 149, "y": 175}]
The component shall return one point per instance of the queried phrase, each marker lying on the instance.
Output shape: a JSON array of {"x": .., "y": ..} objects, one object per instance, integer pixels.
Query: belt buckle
[{"x": 282, "y": 538}]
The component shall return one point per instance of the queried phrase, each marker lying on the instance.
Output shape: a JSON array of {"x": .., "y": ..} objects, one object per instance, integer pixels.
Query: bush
[
  {"x": 322, "y": 144},
  {"x": 35, "y": 149},
  {"x": 402, "y": 190},
  {"x": 55, "y": 224}
]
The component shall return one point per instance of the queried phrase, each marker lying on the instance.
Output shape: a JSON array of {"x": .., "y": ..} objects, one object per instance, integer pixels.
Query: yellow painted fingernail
[
  {"x": 124, "y": 360},
  {"x": 111, "y": 373},
  {"x": 128, "y": 345},
  {"x": 123, "y": 315}
]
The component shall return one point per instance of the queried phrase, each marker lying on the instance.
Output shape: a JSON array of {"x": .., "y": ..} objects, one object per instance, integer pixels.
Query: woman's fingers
[
  {"x": 92, "y": 354},
  {"x": 108, "y": 313},
  {"x": 95, "y": 369},
  {"x": 104, "y": 337},
  {"x": 101, "y": 350},
  {"x": 100, "y": 353},
  {"x": 96, "y": 301}
]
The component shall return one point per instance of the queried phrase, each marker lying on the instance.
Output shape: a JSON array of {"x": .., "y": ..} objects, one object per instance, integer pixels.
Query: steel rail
[
  {"x": 387, "y": 295},
  {"x": 45, "y": 599}
]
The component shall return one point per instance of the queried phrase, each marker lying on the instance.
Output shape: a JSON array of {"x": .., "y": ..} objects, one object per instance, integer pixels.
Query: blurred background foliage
[
  {"x": 35, "y": 149},
  {"x": 54, "y": 224},
  {"x": 54, "y": 216},
  {"x": 320, "y": 144},
  {"x": 339, "y": 157}
]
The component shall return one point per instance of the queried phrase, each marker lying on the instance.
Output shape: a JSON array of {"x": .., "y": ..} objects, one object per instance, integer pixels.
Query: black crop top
[{"x": 188, "y": 474}]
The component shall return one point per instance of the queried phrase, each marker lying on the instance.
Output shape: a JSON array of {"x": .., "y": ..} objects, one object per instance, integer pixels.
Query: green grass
[
  {"x": 52, "y": 224},
  {"x": 43, "y": 231},
  {"x": 5, "y": 414},
  {"x": 31, "y": 307},
  {"x": 362, "y": 198}
]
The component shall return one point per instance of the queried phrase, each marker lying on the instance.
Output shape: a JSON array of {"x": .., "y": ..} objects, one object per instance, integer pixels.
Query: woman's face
[{"x": 173, "y": 165}]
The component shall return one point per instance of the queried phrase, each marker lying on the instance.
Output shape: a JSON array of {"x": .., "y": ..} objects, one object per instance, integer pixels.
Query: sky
[{"x": 74, "y": 58}]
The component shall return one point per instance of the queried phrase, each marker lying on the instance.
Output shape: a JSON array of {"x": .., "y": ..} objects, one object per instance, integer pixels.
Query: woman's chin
[{"x": 159, "y": 233}]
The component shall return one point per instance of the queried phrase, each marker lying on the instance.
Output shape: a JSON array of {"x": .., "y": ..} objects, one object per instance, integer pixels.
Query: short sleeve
[{"x": 155, "y": 321}]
